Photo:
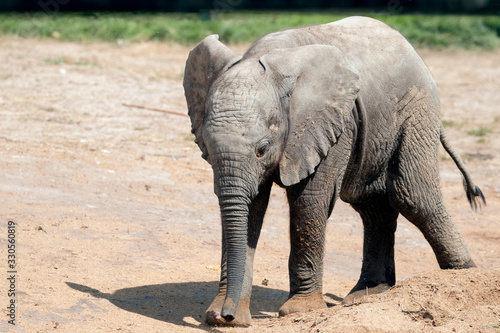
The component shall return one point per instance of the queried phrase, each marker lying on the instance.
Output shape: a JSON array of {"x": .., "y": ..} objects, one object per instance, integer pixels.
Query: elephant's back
[
  {"x": 381, "y": 54},
  {"x": 394, "y": 80},
  {"x": 383, "y": 57},
  {"x": 396, "y": 87}
]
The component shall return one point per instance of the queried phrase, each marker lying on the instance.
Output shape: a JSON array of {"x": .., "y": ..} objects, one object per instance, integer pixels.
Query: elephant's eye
[{"x": 262, "y": 149}]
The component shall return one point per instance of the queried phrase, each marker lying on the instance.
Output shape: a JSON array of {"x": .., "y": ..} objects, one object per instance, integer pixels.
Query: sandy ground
[{"x": 117, "y": 226}]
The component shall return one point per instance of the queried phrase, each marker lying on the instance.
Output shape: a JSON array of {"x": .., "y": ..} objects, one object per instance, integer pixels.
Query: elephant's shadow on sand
[{"x": 176, "y": 302}]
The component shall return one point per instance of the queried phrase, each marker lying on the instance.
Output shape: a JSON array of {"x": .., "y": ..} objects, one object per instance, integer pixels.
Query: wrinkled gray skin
[{"x": 343, "y": 109}]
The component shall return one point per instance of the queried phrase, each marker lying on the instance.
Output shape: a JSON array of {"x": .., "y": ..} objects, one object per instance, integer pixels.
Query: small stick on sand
[{"x": 177, "y": 113}]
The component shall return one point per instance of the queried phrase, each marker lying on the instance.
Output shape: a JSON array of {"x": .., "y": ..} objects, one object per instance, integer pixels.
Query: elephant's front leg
[
  {"x": 378, "y": 272},
  {"x": 243, "y": 316},
  {"x": 309, "y": 212}
]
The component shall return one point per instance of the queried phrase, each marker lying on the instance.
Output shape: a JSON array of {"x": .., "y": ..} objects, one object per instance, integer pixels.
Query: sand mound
[{"x": 442, "y": 301}]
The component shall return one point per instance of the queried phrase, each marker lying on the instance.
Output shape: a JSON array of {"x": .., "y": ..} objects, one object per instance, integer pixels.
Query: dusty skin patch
[{"x": 118, "y": 226}]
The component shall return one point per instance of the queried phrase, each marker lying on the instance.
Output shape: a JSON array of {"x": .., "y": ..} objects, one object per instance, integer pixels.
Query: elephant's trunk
[
  {"x": 234, "y": 216},
  {"x": 235, "y": 192}
]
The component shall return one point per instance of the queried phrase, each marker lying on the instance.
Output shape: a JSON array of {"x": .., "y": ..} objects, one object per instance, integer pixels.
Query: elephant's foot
[
  {"x": 303, "y": 302},
  {"x": 243, "y": 316},
  {"x": 457, "y": 264},
  {"x": 359, "y": 293}
]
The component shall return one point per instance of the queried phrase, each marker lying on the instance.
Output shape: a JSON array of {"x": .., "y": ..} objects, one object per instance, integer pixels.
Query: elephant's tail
[{"x": 473, "y": 192}]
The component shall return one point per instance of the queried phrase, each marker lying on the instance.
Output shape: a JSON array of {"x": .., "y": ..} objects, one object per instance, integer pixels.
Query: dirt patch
[
  {"x": 118, "y": 227},
  {"x": 447, "y": 301}
]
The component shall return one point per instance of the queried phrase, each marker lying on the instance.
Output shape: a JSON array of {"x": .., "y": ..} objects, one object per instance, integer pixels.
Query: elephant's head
[{"x": 256, "y": 118}]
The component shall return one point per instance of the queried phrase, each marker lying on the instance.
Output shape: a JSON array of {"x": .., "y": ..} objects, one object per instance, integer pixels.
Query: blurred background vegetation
[
  {"x": 196, "y": 5},
  {"x": 438, "y": 24}
]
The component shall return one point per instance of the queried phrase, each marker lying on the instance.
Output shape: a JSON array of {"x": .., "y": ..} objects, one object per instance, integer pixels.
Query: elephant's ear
[
  {"x": 205, "y": 62},
  {"x": 323, "y": 87}
]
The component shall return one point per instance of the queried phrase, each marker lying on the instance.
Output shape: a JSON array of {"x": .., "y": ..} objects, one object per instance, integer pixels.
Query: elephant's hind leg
[
  {"x": 378, "y": 270},
  {"x": 435, "y": 224},
  {"x": 415, "y": 191}
]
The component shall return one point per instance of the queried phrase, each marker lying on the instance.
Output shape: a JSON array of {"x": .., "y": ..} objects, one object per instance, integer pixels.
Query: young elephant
[{"x": 343, "y": 109}]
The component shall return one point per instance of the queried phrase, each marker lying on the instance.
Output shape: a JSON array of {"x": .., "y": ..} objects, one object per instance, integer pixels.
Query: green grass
[
  {"x": 428, "y": 31},
  {"x": 481, "y": 131},
  {"x": 55, "y": 61},
  {"x": 63, "y": 60},
  {"x": 448, "y": 123},
  {"x": 491, "y": 325}
]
